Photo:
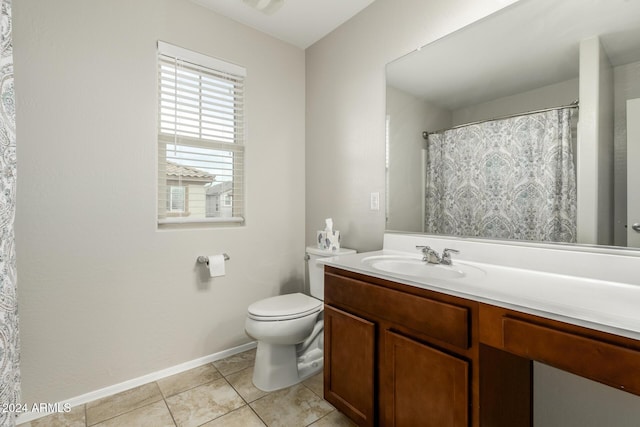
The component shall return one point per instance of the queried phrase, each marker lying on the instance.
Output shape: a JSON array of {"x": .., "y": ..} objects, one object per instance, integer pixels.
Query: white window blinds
[{"x": 200, "y": 138}]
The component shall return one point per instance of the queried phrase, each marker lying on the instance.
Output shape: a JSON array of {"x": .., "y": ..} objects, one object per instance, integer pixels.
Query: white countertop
[{"x": 608, "y": 306}]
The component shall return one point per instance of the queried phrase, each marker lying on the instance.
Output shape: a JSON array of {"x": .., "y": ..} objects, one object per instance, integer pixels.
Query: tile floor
[{"x": 213, "y": 395}]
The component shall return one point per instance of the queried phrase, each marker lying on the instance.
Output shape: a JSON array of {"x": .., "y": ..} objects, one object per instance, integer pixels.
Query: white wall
[
  {"x": 345, "y": 125},
  {"x": 104, "y": 296},
  {"x": 562, "y": 93},
  {"x": 345, "y": 86},
  {"x": 561, "y": 399},
  {"x": 595, "y": 145},
  {"x": 407, "y": 117},
  {"x": 605, "y": 152},
  {"x": 626, "y": 80}
]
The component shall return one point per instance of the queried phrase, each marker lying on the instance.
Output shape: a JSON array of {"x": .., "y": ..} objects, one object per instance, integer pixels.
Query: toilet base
[
  {"x": 279, "y": 366},
  {"x": 275, "y": 366}
]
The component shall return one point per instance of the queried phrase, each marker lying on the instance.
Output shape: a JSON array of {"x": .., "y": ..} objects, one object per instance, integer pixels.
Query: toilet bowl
[{"x": 289, "y": 330}]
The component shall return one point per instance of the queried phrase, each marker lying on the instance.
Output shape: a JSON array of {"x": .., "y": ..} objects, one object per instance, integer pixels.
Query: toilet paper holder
[{"x": 205, "y": 260}]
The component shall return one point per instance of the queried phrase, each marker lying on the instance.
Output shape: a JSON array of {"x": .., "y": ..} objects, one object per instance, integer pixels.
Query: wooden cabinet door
[
  {"x": 423, "y": 386},
  {"x": 349, "y": 352}
]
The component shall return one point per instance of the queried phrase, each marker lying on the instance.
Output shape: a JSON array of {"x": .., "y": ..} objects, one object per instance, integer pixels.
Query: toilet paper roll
[{"x": 216, "y": 265}]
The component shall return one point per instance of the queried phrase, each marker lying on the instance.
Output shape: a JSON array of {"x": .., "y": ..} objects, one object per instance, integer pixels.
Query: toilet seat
[{"x": 284, "y": 307}]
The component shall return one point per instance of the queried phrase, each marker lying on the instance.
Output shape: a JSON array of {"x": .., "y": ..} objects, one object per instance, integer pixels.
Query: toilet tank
[{"x": 316, "y": 271}]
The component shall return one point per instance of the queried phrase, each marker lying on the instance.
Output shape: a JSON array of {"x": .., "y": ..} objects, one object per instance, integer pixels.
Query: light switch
[{"x": 375, "y": 201}]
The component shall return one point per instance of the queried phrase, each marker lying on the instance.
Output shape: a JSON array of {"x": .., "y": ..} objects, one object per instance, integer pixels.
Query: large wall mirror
[{"x": 567, "y": 71}]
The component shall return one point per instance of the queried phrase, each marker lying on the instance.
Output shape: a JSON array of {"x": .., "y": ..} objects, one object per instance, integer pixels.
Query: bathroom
[{"x": 106, "y": 296}]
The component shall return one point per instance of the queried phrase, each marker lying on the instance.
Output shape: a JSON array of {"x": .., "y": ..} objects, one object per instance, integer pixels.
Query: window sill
[{"x": 180, "y": 222}]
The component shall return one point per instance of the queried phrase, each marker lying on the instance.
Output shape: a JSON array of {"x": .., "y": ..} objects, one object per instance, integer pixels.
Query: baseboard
[{"x": 135, "y": 382}]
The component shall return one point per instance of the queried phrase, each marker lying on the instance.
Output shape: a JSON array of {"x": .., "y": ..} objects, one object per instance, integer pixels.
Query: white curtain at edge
[
  {"x": 512, "y": 178},
  {"x": 9, "y": 340}
]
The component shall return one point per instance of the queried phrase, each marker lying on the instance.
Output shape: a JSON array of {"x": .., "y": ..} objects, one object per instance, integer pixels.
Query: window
[
  {"x": 200, "y": 138},
  {"x": 176, "y": 199}
]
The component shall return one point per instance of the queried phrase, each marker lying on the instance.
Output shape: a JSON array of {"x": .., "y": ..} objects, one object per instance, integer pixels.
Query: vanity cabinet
[
  {"x": 396, "y": 355},
  {"x": 425, "y": 386},
  {"x": 350, "y": 345},
  {"x": 603, "y": 357}
]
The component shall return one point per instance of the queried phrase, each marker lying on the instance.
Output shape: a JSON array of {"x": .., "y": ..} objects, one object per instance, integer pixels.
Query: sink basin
[{"x": 409, "y": 266}]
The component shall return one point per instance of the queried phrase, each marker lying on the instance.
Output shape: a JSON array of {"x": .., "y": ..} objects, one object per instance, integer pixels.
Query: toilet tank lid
[
  {"x": 312, "y": 250},
  {"x": 285, "y": 305}
]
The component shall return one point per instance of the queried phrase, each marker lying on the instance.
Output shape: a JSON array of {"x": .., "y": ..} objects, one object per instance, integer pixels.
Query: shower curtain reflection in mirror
[
  {"x": 9, "y": 339},
  {"x": 511, "y": 178}
]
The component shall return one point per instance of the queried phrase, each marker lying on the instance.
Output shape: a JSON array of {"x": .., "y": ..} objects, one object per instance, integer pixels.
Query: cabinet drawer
[
  {"x": 443, "y": 321},
  {"x": 600, "y": 361}
]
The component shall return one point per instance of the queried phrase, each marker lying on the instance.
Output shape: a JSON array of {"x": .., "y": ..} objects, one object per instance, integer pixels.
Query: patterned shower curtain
[
  {"x": 9, "y": 342},
  {"x": 512, "y": 178}
]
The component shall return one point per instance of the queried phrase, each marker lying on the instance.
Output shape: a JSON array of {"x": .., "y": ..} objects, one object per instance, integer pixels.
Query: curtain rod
[{"x": 574, "y": 104}]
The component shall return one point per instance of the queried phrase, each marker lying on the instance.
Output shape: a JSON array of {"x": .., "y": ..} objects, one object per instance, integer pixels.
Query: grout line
[
  {"x": 126, "y": 412},
  {"x": 247, "y": 403},
  {"x": 164, "y": 398},
  {"x": 175, "y": 423},
  {"x": 258, "y": 416},
  {"x": 139, "y": 381},
  {"x": 191, "y": 387}
]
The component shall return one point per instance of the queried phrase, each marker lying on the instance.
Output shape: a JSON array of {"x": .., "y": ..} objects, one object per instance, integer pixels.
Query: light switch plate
[{"x": 375, "y": 201}]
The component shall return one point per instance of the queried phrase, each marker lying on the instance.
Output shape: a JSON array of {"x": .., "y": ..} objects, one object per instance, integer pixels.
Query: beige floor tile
[
  {"x": 112, "y": 406},
  {"x": 243, "y": 383},
  {"x": 293, "y": 406},
  {"x": 236, "y": 363},
  {"x": 203, "y": 403},
  {"x": 243, "y": 417},
  {"x": 189, "y": 379},
  {"x": 315, "y": 383},
  {"x": 334, "y": 419},
  {"x": 73, "y": 418},
  {"x": 154, "y": 415}
]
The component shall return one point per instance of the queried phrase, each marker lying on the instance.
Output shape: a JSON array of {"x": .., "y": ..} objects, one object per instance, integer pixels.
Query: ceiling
[{"x": 299, "y": 22}]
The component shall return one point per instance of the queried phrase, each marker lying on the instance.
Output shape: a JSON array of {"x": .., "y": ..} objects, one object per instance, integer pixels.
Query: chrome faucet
[
  {"x": 446, "y": 255},
  {"x": 431, "y": 256}
]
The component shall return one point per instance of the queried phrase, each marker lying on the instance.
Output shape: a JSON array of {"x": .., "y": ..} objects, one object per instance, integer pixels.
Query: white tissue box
[{"x": 329, "y": 240}]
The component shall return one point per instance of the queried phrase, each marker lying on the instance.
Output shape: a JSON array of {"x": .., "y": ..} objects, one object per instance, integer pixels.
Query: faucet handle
[
  {"x": 424, "y": 249},
  {"x": 446, "y": 255},
  {"x": 429, "y": 255}
]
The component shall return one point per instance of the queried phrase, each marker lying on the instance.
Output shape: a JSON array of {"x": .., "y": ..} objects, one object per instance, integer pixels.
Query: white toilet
[{"x": 289, "y": 330}]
